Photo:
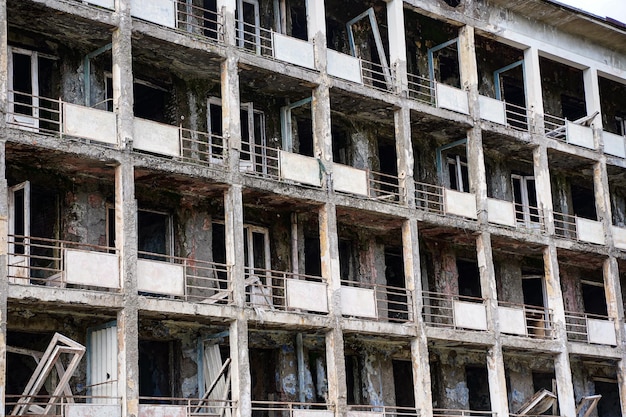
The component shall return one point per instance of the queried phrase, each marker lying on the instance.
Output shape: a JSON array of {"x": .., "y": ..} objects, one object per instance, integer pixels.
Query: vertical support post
[
  {"x": 227, "y": 10},
  {"x": 397, "y": 43},
  {"x": 602, "y": 196},
  {"x": 233, "y": 225},
  {"x": 316, "y": 28},
  {"x": 123, "y": 75},
  {"x": 241, "y": 385},
  {"x": 231, "y": 119},
  {"x": 4, "y": 205},
  {"x": 543, "y": 186},
  {"x": 592, "y": 95},
  {"x": 404, "y": 152},
  {"x": 532, "y": 86},
  {"x": 613, "y": 292}
]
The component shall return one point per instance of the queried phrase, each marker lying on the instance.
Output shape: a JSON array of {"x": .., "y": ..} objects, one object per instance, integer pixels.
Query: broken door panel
[
  {"x": 102, "y": 364},
  {"x": 161, "y": 12}
]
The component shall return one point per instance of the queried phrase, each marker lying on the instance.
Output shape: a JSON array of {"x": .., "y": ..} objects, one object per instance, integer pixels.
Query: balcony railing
[
  {"x": 62, "y": 406},
  {"x": 34, "y": 113},
  {"x": 385, "y": 187},
  {"x": 565, "y": 225},
  {"x": 58, "y": 263},
  {"x": 184, "y": 278},
  {"x": 202, "y": 148},
  {"x": 376, "y": 301},
  {"x": 422, "y": 89},
  {"x": 529, "y": 217},
  {"x": 440, "y": 412},
  {"x": 516, "y": 116},
  {"x": 429, "y": 197},
  {"x": 259, "y": 160},
  {"x": 590, "y": 328},
  {"x": 377, "y": 76},
  {"x": 254, "y": 38},
  {"x": 555, "y": 127},
  {"x": 578, "y": 228},
  {"x": 526, "y": 320},
  {"x": 383, "y": 411},
  {"x": 184, "y": 407},
  {"x": 454, "y": 311},
  {"x": 291, "y": 409},
  {"x": 577, "y": 132},
  {"x": 199, "y": 21},
  {"x": 285, "y": 291}
]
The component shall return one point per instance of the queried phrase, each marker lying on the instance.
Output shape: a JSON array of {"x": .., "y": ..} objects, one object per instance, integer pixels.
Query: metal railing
[
  {"x": 285, "y": 408},
  {"x": 438, "y": 310},
  {"x": 193, "y": 407},
  {"x": 34, "y": 113},
  {"x": 393, "y": 304},
  {"x": 203, "y": 281},
  {"x": 254, "y": 38},
  {"x": 385, "y": 187},
  {"x": 386, "y": 410},
  {"x": 565, "y": 225},
  {"x": 259, "y": 160},
  {"x": 377, "y": 76},
  {"x": 56, "y": 406},
  {"x": 529, "y": 217},
  {"x": 539, "y": 321},
  {"x": 267, "y": 288},
  {"x": 516, "y": 116},
  {"x": 197, "y": 20},
  {"x": 441, "y": 412},
  {"x": 202, "y": 148},
  {"x": 576, "y": 325},
  {"x": 429, "y": 197},
  {"x": 41, "y": 261},
  {"x": 422, "y": 89},
  {"x": 555, "y": 127}
]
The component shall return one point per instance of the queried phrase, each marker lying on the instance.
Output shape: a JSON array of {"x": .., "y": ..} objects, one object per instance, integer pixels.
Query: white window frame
[
  {"x": 525, "y": 203},
  {"x": 459, "y": 164},
  {"x": 29, "y": 121},
  {"x": 241, "y": 24},
  {"x": 18, "y": 264},
  {"x": 169, "y": 237}
]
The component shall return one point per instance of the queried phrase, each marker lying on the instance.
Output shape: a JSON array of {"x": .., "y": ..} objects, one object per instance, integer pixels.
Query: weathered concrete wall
[{"x": 509, "y": 279}]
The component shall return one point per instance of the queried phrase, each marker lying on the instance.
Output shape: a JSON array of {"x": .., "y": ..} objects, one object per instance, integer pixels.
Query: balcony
[
  {"x": 524, "y": 320},
  {"x": 360, "y": 71},
  {"x": 184, "y": 407},
  {"x": 437, "y": 94},
  {"x": 57, "y": 263},
  {"x": 578, "y": 228},
  {"x": 503, "y": 113},
  {"x": 440, "y": 200},
  {"x": 64, "y": 406},
  {"x": 376, "y": 301},
  {"x": 454, "y": 311},
  {"x": 614, "y": 144},
  {"x": 381, "y": 411},
  {"x": 577, "y": 133},
  {"x": 369, "y": 184},
  {"x": 590, "y": 328},
  {"x": 291, "y": 409},
  {"x": 285, "y": 291},
  {"x": 184, "y": 278},
  {"x": 519, "y": 216}
]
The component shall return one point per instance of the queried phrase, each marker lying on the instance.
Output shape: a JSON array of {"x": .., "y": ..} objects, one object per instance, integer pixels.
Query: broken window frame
[
  {"x": 461, "y": 171},
  {"x": 431, "y": 57},
  {"x": 598, "y": 284},
  {"x": 19, "y": 245},
  {"x": 241, "y": 24},
  {"x": 286, "y": 121},
  {"x": 529, "y": 214}
]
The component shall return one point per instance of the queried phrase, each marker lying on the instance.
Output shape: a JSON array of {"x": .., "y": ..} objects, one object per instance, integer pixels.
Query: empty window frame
[
  {"x": 249, "y": 25},
  {"x": 257, "y": 249},
  {"x": 458, "y": 173},
  {"x": 594, "y": 298},
  {"x": 19, "y": 231},
  {"x": 469, "y": 278},
  {"x": 155, "y": 233},
  {"x": 525, "y": 198}
]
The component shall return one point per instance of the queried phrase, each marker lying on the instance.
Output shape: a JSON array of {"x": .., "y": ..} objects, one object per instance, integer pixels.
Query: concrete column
[
  {"x": 241, "y": 384},
  {"x": 621, "y": 381},
  {"x": 233, "y": 225},
  {"x": 227, "y": 9},
  {"x": 532, "y": 86},
  {"x": 543, "y": 186},
  {"x": 592, "y": 95},
  {"x": 335, "y": 359},
  {"x": 419, "y": 345},
  {"x": 397, "y": 43},
  {"x": 497, "y": 380},
  {"x": 565, "y": 388},
  {"x": 3, "y": 62},
  {"x": 613, "y": 295},
  {"x": 603, "y": 196},
  {"x": 322, "y": 139},
  {"x": 123, "y": 74},
  {"x": 231, "y": 110},
  {"x": 404, "y": 152},
  {"x": 127, "y": 318},
  {"x": 468, "y": 67},
  {"x": 4, "y": 283},
  {"x": 316, "y": 27}
]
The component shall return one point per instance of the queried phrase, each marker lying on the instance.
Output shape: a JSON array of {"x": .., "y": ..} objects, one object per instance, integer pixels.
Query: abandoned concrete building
[{"x": 311, "y": 208}]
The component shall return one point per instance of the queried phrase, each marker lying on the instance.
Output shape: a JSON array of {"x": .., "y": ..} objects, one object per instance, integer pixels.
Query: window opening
[
  {"x": 609, "y": 405},
  {"x": 312, "y": 257},
  {"x": 155, "y": 370},
  {"x": 469, "y": 278},
  {"x": 594, "y": 298},
  {"x": 478, "y": 387},
  {"x": 304, "y": 124},
  {"x": 458, "y": 173},
  {"x": 525, "y": 198},
  {"x": 583, "y": 202},
  {"x": 403, "y": 383},
  {"x": 155, "y": 235},
  {"x": 249, "y": 25},
  {"x": 150, "y": 101},
  {"x": 443, "y": 63},
  {"x": 379, "y": 56}
]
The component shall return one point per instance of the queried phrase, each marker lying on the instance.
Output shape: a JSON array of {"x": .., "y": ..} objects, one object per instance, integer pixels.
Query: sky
[{"x": 615, "y": 9}]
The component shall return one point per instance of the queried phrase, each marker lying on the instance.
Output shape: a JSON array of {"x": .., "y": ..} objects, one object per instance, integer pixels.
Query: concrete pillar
[
  {"x": 404, "y": 152},
  {"x": 497, "y": 380},
  {"x": 316, "y": 27},
  {"x": 565, "y": 388},
  {"x": 227, "y": 9},
  {"x": 233, "y": 225},
  {"x": 468, "y": 67},
  {"x": 602, "y": 196},
  {"x": 621, "y": 382},
  {"x": 613, "y": 295},
  {"x": 231, "y": 110},
  {"x": 543, "y": 186},
  {"x": 592, "y": 95},
  {"x": 127, "y": 318},
  {"x": 241, "y": 384},
  {"x": 532, "y": 86},
  {"x": 4, "y": 283},
  {"x": 123, "y": 74},
  {"x": 320, "y": 111},
  {"x": 335, "y": 359},
  {"x": 397, "y": 43}
]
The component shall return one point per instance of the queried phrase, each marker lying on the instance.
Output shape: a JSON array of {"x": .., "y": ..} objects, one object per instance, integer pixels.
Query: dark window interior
[
  {"x": 584, "y": 202},
  {"x": 573, "y": 107},
  {"x": 305, "y": 136},
  {"x": 263, "y": 374},
  {"x": 312, "y": 260},
  {"x": 19, "y": 220},
  {"x": 150, "y": 102},
  {"x": 153, "y": 230},
  {"x": 155, "y": 370},
  {"x": 403, "y": 383},
  {"x": 609, "y": 405},
  {"x": 353, "y": 379},
  {"x": 469, "y": 278},
  {"x": 218, "y": 246},
  {"x": 298, "y": 22},
  {"x": 345, "y": 259},
  {"x": 594, "y": 299},
  {"x": 478, "y": 386},
  {"x": 340, "y": 145},
  {"x": 543, "y": 380},
  {"x": 533, "y": 291}
]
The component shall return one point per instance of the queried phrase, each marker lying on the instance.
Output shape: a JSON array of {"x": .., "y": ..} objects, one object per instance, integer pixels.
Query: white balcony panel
[
  {"x": 619, "y": 237},
  {"x": 492, "y": 110},
  {"x": 306, "y": 295},
  {"x": 300, "y": 168},
  {"x": 352, "y": 413},
  {"x": 470, "y": 315},
  {"x": 460, "y": 204},
  {"x": 299, "y": 412},
  {"x": 359, "y": 302},
  {"x": 109, "y": 4},
  {"x": 146, "y": 410},
  {"x": 512, "y": 320},
  {"x": 580, "y": 135},
  {"x": 92, "y": 410},
  {"x": 349, "y": 180},
  {"x": 294, "y": 51},
  {"x": 344, "y": 66},
  {"x": 614, "y": 144},
  {"x": 96, "y": 269},
  {"x": 601, "y": 332},
  {"x": 160, "y": 277},
  {"x": 161, "y": 12},
  {"x": 501, "y": 212},
  {"x": 156, "y": 137},
  {"x": 590, "y": 231},
  {"x": 85, "y": 122},
  {"x": 452, "y": 98}
]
